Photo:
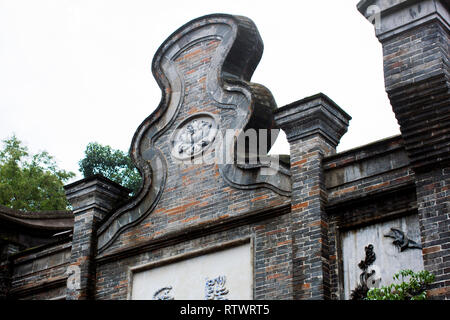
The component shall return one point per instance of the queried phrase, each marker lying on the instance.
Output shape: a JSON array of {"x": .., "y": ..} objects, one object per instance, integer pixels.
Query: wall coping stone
[
  {"x": 312, "y": 115},
  {"x": 393, "y": 17}
]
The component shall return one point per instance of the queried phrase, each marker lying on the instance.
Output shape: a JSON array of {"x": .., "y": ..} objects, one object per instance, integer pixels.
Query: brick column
[
  {"x": 92, "y": 199},
  {"x": 415, "y": 36},
  {"x": 313, "y": 127},
  {"x": 6, "y": 250}
]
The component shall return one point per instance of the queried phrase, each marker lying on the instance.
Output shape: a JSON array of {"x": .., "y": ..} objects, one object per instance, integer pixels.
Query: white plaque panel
[
  {"x": 229, "y": 272},
  {"x": 389, "y": 258}
]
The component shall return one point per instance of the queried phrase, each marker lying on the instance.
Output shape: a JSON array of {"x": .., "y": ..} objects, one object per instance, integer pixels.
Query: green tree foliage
[
  {"x": 413, "y": 286},
  {"x": 30, "y": 182},
  {"x": 111, "y": 163}
]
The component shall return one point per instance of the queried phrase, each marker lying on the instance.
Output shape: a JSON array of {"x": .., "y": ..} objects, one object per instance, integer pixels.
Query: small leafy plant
[{"x": 412, "y": 288}]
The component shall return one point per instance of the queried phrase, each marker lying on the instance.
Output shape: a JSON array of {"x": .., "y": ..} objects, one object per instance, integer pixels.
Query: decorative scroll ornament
[
  {"x": 215, "y": 289},
  {"x": 163, "y": 294},
  {"x": 370, "y": 276},
  {"x": 401, "y": 241},
  {"x": 235, "y": 50}
]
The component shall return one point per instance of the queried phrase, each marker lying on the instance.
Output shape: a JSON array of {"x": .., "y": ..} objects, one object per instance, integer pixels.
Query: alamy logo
[{"x": 200, "y": 142}]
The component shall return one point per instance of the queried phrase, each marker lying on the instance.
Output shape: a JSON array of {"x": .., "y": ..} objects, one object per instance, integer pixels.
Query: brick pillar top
[
  {"x": 411, "y": 52},
  {"x": 415, "y": 36},
  {"x": 391, "y": 17},
  {"x": 92, "y": 199},
  {"x": 95, "y": 192},
  {"x": 313, "y": 115}
]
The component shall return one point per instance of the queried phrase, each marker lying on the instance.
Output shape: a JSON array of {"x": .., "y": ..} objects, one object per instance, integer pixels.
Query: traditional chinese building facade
[{"x": 218, "y": 218}]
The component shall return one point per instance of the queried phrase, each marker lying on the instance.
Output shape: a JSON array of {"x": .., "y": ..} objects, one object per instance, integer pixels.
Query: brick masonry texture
[
  {"x": 309, "y": 221},
  {"x": 183, "y": 195},
  {"x": 313, "y": 126},
  {"x": 272, "y": 266},
  {"x": 293, "y": 219},
  {"x": 358, "y": 198},
  {"x": 197, "y": 198},
  {"x": 352, "y": 215},
  {"x": 372, "y": 169},
  {"x": 433, "y": 205},
  {"x": 195, "y": 194},
  {"x": 416, "y": 71},
  {"x": 41, "y": 274},
  {"x": 91, "y": 198}
]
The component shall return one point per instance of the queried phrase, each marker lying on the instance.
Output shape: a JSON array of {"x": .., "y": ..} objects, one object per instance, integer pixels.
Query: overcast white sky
[{"x": 72, "y": 72}]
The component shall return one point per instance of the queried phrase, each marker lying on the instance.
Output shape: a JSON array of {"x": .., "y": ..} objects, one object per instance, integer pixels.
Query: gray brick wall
[
  {"x": 295, "y": 235},
  {"x": 415, "y": 38}
]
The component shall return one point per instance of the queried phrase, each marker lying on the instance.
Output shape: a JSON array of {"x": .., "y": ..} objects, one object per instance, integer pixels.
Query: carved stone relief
[
  {"x": 193, "y": 136},
  {"x": 215, "y": 288},
  {"x": 370, "y": 257},
  {"x": 370, "y": 276},
  {"x": 212, "y": 276},
  {"x": 163, "y": 294},
  {"x": 401, "y": 241}
]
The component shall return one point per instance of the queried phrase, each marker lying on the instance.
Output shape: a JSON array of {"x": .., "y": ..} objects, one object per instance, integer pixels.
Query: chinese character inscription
[{"x": 215, "y": 289}]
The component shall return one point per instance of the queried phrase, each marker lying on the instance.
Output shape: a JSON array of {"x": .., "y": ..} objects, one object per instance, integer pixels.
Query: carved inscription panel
[
  {"x": 220, "y": 275},
  {"x": 373, "y": 254}
]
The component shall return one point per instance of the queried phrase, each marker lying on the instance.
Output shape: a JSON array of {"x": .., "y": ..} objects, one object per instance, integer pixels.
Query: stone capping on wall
[
  {"x": 45, "y": 220},
  {"x": 75, "y": 185},
  {"x": 57, "y": 282},
  {"x": 395, "y": 17},
  {"x": 41, "y": 251},
  {"x": 186, "y": 256},
  {"x": 30, "y": 255},
  {"x": 389, "y": 150},
  {"x": 312, "y": 115},
  {"x": 96, "y": 191},
  {"x": 364, "y": 152}
]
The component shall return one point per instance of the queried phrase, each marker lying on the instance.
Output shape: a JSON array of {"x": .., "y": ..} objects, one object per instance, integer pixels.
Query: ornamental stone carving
[
  {"x": 163, "y": 294},
  {"x": 401, "y": 241},
  {"x": 203, "y": 69},
  {"x": 193, "y": 136},
  {"x": 370, "y": 276}
]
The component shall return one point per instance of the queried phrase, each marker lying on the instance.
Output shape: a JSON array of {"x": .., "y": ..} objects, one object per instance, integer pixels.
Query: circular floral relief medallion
[{"x": 193, "y": 136}]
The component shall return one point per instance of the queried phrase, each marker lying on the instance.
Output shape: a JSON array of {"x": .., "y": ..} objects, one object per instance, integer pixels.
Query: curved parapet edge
[{"x": 236, "y": 58}]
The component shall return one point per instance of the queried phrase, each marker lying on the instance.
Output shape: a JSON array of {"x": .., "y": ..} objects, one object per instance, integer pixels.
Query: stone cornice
[
  {"x": 393, "y": 17},
  {"x": 95, "y": 192},
  {"x": 316, "y": 114}
]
